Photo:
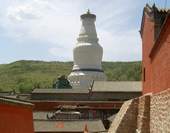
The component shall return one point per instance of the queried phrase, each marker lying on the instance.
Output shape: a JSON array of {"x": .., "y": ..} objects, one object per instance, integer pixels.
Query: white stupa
[{"x": 87, "y": 55}]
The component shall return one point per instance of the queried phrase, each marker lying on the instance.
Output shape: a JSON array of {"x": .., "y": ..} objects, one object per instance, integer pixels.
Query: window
[
  {"x": 90, "y": 115},
  {"x": 144, "y": 74}
]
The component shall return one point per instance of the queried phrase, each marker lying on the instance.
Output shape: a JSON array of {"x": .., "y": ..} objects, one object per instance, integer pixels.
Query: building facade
[{"x": 155, "y": 33}]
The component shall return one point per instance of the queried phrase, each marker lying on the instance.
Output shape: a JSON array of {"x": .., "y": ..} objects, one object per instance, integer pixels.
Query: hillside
[{"x": 24, "y": 75}]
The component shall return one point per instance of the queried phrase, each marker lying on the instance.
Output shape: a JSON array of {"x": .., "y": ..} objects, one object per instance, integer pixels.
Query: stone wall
[
  {"x": 146, "y": 114},
  {"x": 143, "y": 117},
  {"x": 126, "y": 120},
  {"x": 160, "y": 112}
]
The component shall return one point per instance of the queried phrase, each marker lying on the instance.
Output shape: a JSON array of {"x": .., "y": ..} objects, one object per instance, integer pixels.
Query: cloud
[
  {"x": 40, "y": 20},
  {"x": 57, "y": 24},
  {"x": 23, "y": 13}
]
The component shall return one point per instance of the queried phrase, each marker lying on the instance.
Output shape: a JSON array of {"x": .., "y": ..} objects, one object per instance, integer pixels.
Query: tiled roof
[
  {"x": 68, "y": 126},
  {"x": 12, "y": 96},
  {"x": 23, "y": 96},
  {"x": 7, "y": 93},
  {"x": 100, "y": 86},
  {"x": 14, "y": 101},
  {"x": 37, "y": 90},
  {"x": 150, "y": 8},
  {"x": 41, "y": 114},
  {"x": 117, "y": 86},
  {"x": 163, "y": 9}
]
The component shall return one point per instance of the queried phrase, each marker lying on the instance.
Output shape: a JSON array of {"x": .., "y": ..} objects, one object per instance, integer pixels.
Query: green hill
[{"x": 24, "y": 75}]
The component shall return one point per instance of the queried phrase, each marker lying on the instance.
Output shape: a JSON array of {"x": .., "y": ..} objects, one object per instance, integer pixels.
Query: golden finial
[{"x": 88, "y": 12}]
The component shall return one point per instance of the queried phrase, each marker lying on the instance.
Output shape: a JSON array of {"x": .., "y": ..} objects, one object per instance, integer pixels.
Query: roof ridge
[
  {"x": 15, "y": 101},
  {"x": 150, "y": 8},
  {"x": 79, "y": 120}
]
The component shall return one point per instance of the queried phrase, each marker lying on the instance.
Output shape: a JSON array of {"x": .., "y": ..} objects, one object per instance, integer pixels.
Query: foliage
[
  {"x": 25, "y": 75},
  {"x": 123, "y": 71}
]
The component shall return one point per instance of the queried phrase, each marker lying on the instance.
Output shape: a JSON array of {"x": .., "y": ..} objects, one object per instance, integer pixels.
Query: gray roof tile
[
  {"x": 41, "y": 114},
  {"x": 99, "y": 86},
  {"x": 52, "y": 90},
  {"x": 68, "y": 126},
  {"x": 117, "y": 86},
  {"x": 14, "y": 101}
]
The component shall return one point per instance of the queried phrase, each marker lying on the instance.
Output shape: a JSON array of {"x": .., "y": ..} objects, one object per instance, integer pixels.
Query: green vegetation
[
  {"x": 123, "y": 71},
  {"x": 24, "y": 75}
]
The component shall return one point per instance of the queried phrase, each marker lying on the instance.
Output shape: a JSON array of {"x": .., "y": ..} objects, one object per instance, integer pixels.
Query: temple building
[
  {"x": 150, "y": 112},
  {"x": 155, "y": 34},
  {"x": 85, "y": 97},
  {"x": 87, "y": 55}
]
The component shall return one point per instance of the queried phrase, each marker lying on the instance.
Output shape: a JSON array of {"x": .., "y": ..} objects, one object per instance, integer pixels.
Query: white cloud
[
  {"x": 23, "y": 13},
  {"x": 42, "y": 21},
  {"x": 57, "y": 24}
]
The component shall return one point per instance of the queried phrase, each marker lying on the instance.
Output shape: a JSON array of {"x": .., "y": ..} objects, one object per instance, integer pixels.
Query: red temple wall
[
  {"x": 50, "y": 106},
  {"x": 160, "y": 62},
  {"x": 147, "y": 44},
  {"x": 156, "y": 76},
  {"x": 16, "y": 119}
]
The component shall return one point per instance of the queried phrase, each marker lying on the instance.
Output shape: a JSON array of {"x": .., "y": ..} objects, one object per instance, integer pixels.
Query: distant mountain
[{"x": 24, "y": 75}]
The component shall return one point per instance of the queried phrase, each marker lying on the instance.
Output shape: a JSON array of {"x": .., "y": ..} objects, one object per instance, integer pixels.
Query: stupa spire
[
  {"x": 88, "y": 12},
  {"x": 88, "y": 29}
]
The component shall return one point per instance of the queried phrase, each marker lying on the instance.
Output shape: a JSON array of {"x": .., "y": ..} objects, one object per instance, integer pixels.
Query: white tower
[{"x": 87, "y": 55}]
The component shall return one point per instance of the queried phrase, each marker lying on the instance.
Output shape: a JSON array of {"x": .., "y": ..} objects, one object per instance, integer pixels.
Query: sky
[{"x": 47, "y": 30}]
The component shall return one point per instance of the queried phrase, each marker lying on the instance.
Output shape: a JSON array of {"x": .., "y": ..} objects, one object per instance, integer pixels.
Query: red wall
[
  {"x": 160, "y": 62},
  {"x": 147, "y": 44},
  {"x": 16, "y": 119},
  {"x": 157, "y": 66},
  {"x": 50, "y": 106}
]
